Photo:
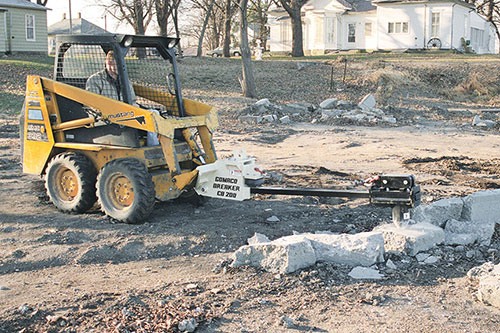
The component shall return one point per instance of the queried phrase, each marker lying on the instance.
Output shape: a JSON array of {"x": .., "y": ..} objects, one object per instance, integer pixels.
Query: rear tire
[
  {"x": 237, "y": 54},
  {"x": 125, "y": 190},
  {"x": 70, "y": 182}
]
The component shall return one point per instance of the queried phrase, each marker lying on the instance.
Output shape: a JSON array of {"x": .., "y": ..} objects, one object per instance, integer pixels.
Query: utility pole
[{"x": 70, "y": 19}]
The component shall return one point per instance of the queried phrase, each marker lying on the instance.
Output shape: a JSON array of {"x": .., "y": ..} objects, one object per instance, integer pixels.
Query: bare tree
[
  {"x": 248, "y": 80},
  {"x": 215, "y": 22},
  {"x": 293, "y": 8},
  {"x": 229, "y": 11},
  {"x": 257, "y": 14},
  {"x": 205, "y": 22},
  {"x": 165, "y": 10},
  {"x": 137, "y": 13}
]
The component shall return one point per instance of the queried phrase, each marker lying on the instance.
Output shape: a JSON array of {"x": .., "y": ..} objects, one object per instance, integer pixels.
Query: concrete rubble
[
  {"x": 330, "y": 111},
  {"x": 290, "y": 253},
  {"x": 457, "y": 222},
  {"x": 487, "y": 278},
  {"x": 465, "y": 220},
  {"x": 365, "y": 273},
  {"x": 411, "y": 239}
]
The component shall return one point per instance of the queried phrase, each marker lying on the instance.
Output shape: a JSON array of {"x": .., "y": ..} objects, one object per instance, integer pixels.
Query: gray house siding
[
  {"x": 18, "y": 35},
  {"x": 3, "y": 32}
]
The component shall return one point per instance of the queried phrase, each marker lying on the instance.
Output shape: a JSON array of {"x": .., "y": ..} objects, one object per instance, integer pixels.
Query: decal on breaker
[
  {"x": 36, "y": 132},
  {"x": 226, "y": 186}
]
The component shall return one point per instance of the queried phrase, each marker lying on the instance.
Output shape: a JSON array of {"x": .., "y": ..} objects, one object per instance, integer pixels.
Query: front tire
[
  {"x": 70, "y": 182},
  {"x": 125, "y": 190},
  {"x": 237, "y": 54}
]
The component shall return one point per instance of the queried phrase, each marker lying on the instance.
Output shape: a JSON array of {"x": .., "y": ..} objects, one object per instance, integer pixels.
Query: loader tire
[
  {"x": 70, "y": 182},
  {"x": 125, "y": 190}
]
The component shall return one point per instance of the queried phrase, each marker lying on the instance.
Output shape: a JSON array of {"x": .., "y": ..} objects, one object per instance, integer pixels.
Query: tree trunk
[
  {"x": 297, "y": 45},
  {"x": 227, "y": 28},
  {"x": 248, "y": 81},
  {"x": 175, "y": 16},
  {"x": 162, "y": 10},
  {"x": 203, "y": 28}
]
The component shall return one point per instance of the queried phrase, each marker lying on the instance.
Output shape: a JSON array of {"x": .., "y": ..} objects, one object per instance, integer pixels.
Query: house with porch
[
  {"x": 330, "y": 25},
  {"x": 23, "y": 27}
]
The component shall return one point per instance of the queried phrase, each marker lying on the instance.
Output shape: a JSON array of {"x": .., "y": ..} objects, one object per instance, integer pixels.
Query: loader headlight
[{"x": 127, "y": 41}]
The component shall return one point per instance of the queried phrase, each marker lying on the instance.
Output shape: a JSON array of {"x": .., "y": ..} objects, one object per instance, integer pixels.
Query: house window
[
  {"x": 351, "y": 30},
  {"x": 319, "y": 33},
  {"x": 368, "y": 29},
  {"x": 330, "y": 30},
  {"x": 397, "y": 27},
  {"x": 435, "y": 24},
  {"x": 30, "y": 27},
  {"x": 285, "y": 35}
]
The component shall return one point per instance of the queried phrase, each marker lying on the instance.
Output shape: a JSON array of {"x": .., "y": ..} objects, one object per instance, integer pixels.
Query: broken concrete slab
[
  {"x": 481, "y": 231},
  {"x": 451, "y": 238},
  {"x": 483, "y": 209},
  {"x": 329, "y": 103},
  {"x": 285, "y": 120},
  {"x": 270, "y": 118},
  {"x": 390, "y": 264},
  {"x": 257, "y": 239},
  {"x": 251, "y": 119},
  {"x": 368, "y": 102},
  {"x": 287, "y": 254},
  {"x": 410, "y": 239},
  {"x": 365, "y": 273},
  {"x": 264, "y": 102},
  {"x": 488, "y": 276},
  {"x": 439, "y": 212},
  {"x": 283, "y": 255},
  {"x": 364, "y": 249}
]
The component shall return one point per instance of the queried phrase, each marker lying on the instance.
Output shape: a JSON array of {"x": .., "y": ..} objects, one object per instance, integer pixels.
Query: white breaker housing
[{"x": 227, "y": 178}]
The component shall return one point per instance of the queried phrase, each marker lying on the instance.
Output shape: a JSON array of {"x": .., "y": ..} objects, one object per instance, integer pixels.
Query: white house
[{"x": 384, "y": 25}]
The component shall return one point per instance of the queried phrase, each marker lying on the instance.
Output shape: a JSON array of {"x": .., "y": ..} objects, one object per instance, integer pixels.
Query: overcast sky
[{"x": 89, "y": 10}]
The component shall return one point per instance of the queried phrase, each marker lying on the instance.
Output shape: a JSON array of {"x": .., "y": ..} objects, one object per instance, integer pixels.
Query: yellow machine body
[{"x": 169, "y": 163}]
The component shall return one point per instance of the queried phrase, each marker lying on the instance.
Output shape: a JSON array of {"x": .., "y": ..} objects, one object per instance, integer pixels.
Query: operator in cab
[{"x": 106, "y": 82}]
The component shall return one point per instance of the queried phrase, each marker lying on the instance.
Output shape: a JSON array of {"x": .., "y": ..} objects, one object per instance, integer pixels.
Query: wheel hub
[
  {"x": 68, "y": 185},
  {"x": 122, "y": 191}
]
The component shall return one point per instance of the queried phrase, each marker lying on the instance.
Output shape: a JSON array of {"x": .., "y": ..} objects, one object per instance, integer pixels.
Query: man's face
[{"x": 111, "y": 67}]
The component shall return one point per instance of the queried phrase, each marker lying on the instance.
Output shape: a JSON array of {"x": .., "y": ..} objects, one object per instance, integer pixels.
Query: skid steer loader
[
  {"x": 142, "y": 143},
  {"x": 113, "y": 127}
]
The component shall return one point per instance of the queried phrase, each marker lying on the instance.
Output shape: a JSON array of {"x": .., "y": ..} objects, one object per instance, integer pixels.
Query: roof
[
  {"x": 358, "y": 5},
  {"x": 22, "y": 4},
  {"x": 80, "y": 26},
  {"x": 459, "y": 2}
]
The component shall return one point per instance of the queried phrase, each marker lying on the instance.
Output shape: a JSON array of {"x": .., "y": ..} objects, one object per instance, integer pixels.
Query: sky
[{"x": 89, "y": 10}]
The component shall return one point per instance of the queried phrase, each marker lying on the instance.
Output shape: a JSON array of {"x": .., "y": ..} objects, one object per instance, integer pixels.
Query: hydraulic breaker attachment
[
  {"x": 238, "y": 177},
  {"x": 230, "y": 178}
]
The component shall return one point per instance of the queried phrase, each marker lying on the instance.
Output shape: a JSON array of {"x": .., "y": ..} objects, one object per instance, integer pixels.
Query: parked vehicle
[{"x": 218, "y": 52}]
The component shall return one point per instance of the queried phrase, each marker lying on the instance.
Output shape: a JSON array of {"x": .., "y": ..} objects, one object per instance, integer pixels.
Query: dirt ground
[{"x": 84, "y": 273}]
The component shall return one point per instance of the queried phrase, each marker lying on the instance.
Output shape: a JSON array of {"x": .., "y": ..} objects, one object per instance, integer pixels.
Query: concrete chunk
[
  {"x": 329, "y": 103},
  {"x": 251, "y": 119},
  {"x": 451, "y": 238},
  {"x": 257, "y": 239},
  {"x": 365, "y": 273},
  {"x": 411, "y": 239},
  {"x": 483, "y": 209},
  {"x": 263, "y": 102},
  {"x": 488, "y": 276},
  {"x": 283, "y": 255},
  {"x": 368, "y": 102},
  {"x": 481, "y": 231},
  {"x": 364, "y": 249},
  {"x": 285, "y": 120},
  {"x": 439, "y": 212}
]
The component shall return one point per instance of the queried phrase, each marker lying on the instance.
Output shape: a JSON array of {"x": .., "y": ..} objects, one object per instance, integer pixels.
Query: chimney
[
  {"x": 79, "y": 15},
  {"x": 64, "y": 16}
]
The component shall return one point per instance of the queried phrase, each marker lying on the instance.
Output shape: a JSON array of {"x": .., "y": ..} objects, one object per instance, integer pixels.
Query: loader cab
[{"x": 141, "y": 62}]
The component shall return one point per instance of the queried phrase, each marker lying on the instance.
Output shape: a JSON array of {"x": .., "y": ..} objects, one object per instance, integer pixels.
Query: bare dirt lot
[{"x": 84, "y": 273}]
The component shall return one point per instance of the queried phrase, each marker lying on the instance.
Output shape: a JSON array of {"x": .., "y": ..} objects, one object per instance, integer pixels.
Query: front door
[{"x": 351, "y": 35}]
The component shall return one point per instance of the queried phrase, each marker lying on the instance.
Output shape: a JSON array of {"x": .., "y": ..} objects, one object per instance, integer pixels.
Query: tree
[
  {"x": 214, "y": 18},
  {"x": 137, "y": 13},
  {"x": 165, "y": 10},
  {"x": 230, "y": 7},
  {"x": 293, "y": 8},
  {"x": 257, "y": 14},
  {"x": 248, "y": 80},
  {"x": 205, "y": 22}
]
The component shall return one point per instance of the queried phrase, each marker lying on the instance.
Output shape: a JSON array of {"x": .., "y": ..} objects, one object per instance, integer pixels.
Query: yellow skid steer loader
[{"x": 113, "y": 127}]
